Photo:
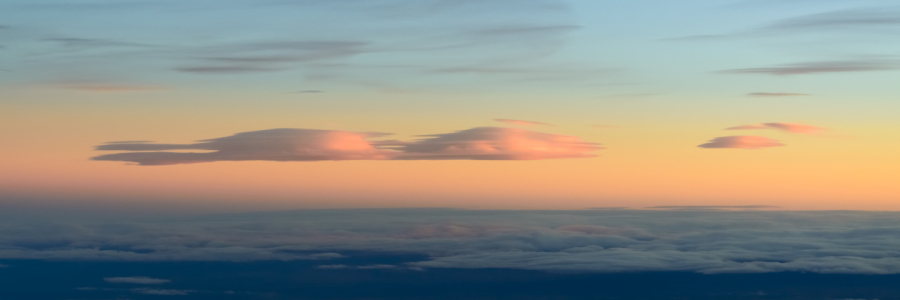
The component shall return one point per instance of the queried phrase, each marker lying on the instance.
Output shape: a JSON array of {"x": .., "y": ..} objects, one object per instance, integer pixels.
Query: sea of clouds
[{"x": 674, "y": 239}]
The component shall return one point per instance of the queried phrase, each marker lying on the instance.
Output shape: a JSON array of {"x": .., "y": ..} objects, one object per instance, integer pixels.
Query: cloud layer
[
  {"x": 289, "y": 144},
  {"x": 562, "y": 241},
  {"x": 789, "y": 127},
  {"x": 741, "y": 142}
]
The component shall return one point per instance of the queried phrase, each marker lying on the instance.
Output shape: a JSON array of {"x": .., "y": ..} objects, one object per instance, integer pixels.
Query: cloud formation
[
  {"x": 850, "y": 19},
  {"x": 283, "y": 144},
  {"x": 705, "y": 241},
  {"x": 496, "y": 143},
  {"x": 521, "y": 123},
  {"x": 872, "y": 21},
  {"x": 136, "y": 280},
  {"x": 776, "y": 94},
  {"x": 788, "y": 127},
  {"x": 289, "y": 144},
  {"x": 820, "y": 67},
  {"x": 488, "y": 39},
  {"x": 270, "y": 56},
  {"x": 741, "y": 142}
]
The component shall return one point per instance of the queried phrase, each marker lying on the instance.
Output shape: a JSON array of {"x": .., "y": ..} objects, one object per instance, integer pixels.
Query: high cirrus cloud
[
  {"x": 789, "y": 127},
  {"x": 821, "y": 67},
  {"x": 520, "y": 122},
  {"x": 741, "y": 142},
  {"x": 495, "y": 143},
  {"x": 290, "y": 144}
]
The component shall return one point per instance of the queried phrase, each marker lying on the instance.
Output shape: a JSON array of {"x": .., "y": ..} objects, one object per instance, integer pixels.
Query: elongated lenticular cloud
[
  {"x": 496, "y": 143},
  {"x": 741, "y": 142},
  {"x": 284, "y": 144},
  {"x": 789, "y": 127},
  {"x": 290, "y": 144},
  {"x": 520, "y": 122}
]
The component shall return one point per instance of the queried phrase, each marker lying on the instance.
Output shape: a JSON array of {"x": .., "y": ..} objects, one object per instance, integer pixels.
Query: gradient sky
[{"x": 491, "y": 104}]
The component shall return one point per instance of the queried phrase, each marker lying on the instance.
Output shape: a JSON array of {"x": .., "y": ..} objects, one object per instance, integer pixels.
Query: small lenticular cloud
[
  {"x": 741, "y": 142},
  {"x": 521, "y": 123},
  {"x": 776, "y": 94},
  {"x": 789, "y": 127}
]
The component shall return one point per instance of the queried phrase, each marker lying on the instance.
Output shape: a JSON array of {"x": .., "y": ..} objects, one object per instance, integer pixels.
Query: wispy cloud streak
[
  {"x": 788, "y": 127},
  {"x": 136, "y": 280},
  {"x": 821, "y": 67}
]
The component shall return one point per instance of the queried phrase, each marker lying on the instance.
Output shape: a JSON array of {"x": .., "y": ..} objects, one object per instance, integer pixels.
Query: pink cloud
[
  {"x": 789, "y": 127},
  {"x": 742, "y": 142},
  {"x": 496, "y": 143},
  {"x": 284, "y": 144},
  {"x": 290, "y": 144},
  {"x": 521, "y": 123}
]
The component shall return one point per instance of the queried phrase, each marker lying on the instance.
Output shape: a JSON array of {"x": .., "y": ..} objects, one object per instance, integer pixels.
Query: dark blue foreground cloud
[{"x": 595, "y": 241}]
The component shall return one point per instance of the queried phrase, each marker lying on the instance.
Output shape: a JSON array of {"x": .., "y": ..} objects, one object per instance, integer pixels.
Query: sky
[
  {"x": 449, "y": 149},
  {"x": 250, "y": 105}
]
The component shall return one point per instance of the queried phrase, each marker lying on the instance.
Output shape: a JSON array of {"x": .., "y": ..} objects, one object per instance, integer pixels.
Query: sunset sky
[
  {"x": 239, "y": 105},
  {"x": 449, "y": 149}
]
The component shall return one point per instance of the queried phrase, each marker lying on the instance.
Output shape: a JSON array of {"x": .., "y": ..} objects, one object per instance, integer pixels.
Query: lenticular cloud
[
  {"x": 495, "y": 143},
  {"x": 290, "y": 144},
  {"x": 284, "y": 144},
  {"x": 742, "y": 142}
]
